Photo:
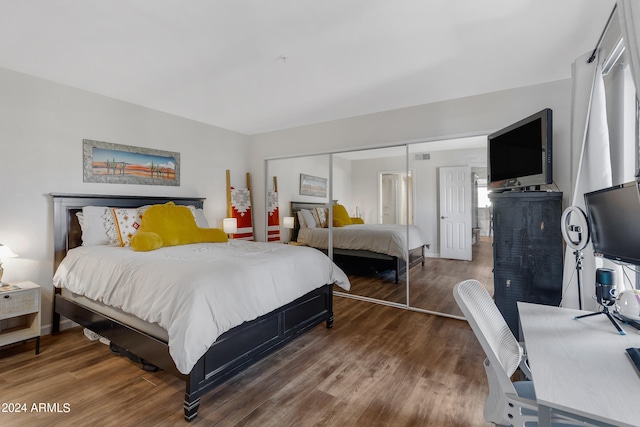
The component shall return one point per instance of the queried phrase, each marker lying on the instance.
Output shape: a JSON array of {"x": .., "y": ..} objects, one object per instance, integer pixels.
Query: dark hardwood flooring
[
  {"x": 378, "y": 366},
  {"x": 431, "y": 285}
]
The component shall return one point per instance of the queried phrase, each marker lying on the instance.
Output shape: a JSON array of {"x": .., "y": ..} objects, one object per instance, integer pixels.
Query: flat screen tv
[
  {"x": 613, "y": 215},
  {"x": 519, "y": 156}
]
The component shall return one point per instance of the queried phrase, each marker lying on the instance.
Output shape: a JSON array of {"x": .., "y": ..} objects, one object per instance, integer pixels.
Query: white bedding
[
  {"x": 389, "y": 239},
  {"x": 197, "y": 292}
]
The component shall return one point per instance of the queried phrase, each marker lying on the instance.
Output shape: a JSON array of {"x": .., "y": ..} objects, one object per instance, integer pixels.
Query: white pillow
[
  {"x": 301, "y": 220},
  {"x": 201, "y": 220},
  {"x": 309, "y": 219},
  {"x": 92, "y": 223}
]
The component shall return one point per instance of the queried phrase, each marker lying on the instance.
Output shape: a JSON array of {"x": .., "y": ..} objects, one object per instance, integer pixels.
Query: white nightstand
[{"x": 20, "y": 313}]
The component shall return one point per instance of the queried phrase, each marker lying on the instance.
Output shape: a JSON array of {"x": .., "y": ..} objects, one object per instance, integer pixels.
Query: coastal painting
[{"x": 125, "y": 164}]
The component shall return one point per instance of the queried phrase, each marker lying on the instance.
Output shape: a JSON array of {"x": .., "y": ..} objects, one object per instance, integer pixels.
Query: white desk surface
[{"x": 580, "y": 365}]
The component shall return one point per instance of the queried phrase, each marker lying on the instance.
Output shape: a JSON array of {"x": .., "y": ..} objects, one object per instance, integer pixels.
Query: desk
[{"x": 580, "y": 367}]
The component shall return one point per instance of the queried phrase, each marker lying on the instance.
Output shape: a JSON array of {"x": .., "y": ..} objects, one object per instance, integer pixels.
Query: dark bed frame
[
  {"x": 349, "y": 257},
  {"x": 232, "y": 352}
]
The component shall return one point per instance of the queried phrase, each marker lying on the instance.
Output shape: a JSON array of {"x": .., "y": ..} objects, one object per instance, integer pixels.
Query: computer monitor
[{"x": 613, "y": 215}]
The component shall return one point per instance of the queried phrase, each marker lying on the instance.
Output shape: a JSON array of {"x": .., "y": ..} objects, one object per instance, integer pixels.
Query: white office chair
[{"x": 508, "y": 403}]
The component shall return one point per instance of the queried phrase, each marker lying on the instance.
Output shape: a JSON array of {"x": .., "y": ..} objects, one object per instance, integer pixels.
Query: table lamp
[
  {"x": 230, "y": 226},
  {"x": 5, "y": 252},
  {"x": 287, "y": 222}
]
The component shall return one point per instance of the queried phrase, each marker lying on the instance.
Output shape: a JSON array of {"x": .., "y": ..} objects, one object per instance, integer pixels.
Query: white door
[{"x": 455, "y": 212}]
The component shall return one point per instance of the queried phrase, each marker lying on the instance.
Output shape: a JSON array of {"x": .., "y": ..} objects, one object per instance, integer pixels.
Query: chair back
[
  {"x": 488, "y": 325},
  {"x": 501, "y": 348}
]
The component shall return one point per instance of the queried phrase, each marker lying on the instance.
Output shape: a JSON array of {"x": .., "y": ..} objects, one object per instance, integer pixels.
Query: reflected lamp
[{"x": 287, "y": 222}]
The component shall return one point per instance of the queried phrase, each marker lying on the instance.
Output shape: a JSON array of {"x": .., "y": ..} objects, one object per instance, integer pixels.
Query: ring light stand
[{"x": 581, "y": 232}]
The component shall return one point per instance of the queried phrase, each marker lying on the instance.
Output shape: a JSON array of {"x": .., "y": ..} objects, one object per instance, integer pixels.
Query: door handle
[{"x": 443, "y": 217}]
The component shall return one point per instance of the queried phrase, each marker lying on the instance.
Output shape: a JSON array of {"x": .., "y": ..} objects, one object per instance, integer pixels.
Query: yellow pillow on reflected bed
[
  {"x": 341, "y": 217},
  {"x": 171, "y": 225}
]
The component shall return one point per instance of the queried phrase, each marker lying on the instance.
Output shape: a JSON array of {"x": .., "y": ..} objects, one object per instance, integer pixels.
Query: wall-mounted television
[
  {"x": 520, "y": 155},
  {"x": 613, "y": 215}
]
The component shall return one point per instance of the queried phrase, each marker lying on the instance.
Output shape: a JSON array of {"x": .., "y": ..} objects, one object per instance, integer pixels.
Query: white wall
[
  {"x": 365, "y": 178},
  {"x": 480, "y": 114},
  {"x": 42, "y": 125}
]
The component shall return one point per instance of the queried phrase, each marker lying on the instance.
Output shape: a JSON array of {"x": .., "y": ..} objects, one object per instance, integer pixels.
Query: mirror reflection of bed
[{"x": 371, "y": 254}]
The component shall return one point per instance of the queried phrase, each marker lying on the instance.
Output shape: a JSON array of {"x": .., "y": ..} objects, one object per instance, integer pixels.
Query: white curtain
[
  {"x": 629, "y": 14},
  {"x": 589, "y": 131}
]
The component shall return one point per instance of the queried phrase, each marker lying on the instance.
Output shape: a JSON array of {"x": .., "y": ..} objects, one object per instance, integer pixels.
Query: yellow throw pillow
[
  {"x": 340, "y": 216},
  {"x": 356, "y": 220},
  {"x": 171, "y": 225},
  {"x": 144, "y": 241}
]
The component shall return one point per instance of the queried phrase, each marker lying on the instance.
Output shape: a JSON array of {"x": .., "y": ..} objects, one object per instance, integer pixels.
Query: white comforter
[
  {"x": 389, "y": 239},
  {"x": 197, "y": 292}
]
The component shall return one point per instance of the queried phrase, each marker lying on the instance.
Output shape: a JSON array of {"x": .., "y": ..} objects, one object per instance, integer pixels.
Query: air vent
[{"x": 422, "y": 156}]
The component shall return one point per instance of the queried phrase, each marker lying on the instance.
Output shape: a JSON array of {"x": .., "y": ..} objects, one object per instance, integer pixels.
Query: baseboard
[{"x": 64, "y": 324}]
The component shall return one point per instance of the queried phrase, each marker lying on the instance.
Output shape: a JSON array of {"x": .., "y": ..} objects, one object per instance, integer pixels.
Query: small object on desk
[
  {"x": 634, "y": 354},
  {"x": 5, "y": 287}
]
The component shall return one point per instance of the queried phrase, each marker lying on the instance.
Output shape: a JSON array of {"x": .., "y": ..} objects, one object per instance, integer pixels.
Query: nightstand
[{"x": 20, "y": 313}]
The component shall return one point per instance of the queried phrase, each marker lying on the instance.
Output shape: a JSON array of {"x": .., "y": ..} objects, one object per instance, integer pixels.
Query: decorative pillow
[
  {"x": 309, "y": 220},
  {"x": 92, "y": 224},
  {"x": 201, "y": 220},
  {"x": 301, "y": 220},
  {"x": 356, "y": 220},
  {"x": 322, "y": 214},
  {"x": 126, "y": 224},
  {"x": 171, "y": 225},
  {"x": 102, "y": 225},
  {"x": 340, "y": 216}
]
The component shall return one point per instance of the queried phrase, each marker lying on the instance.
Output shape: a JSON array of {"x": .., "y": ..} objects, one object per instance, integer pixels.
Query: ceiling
[{"x": 254, "y": 66}]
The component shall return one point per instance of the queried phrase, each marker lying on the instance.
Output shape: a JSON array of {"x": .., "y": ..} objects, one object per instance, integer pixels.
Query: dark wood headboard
[
  {"x": 297, "y": 206},
  {"x": 66, "y": 228}
]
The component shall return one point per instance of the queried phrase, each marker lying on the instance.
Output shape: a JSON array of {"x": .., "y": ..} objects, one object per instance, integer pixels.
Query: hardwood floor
[
  {"x": 378, "y": 366},
  {"x": 431, "y": 285}
]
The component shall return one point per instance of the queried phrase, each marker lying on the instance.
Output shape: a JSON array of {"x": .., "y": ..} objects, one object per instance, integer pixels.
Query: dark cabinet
[{"x": 527, "y": 250}]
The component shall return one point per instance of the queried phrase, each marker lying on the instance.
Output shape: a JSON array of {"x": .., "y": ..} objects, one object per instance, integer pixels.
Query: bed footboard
[
  {"x": 250, "y": 342},
  {"x": 233, "y": 351}
]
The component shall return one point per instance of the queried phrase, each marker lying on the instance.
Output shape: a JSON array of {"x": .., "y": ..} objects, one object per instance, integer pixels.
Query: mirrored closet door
[
  {"x": 370, "y": 189},
  {"x": 396, "y": 187},
  {"x": 431, "y": 285}
]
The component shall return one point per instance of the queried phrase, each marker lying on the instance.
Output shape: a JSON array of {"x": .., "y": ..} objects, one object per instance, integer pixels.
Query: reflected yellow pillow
[
  {"x": 340, "y": 216},
  {"x": 171, "y": 225}
]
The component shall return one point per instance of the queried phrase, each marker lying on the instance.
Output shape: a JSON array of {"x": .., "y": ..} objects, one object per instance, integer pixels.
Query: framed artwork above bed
[
  {"x": 125, "y": 164},
  {"x": 313, "y": 186}
]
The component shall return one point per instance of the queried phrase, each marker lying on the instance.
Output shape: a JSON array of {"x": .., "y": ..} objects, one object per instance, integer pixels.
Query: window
[{"x": 623, "y": 123}]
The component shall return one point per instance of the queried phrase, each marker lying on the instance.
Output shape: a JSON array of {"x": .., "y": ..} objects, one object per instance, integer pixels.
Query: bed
[
  {"x": 235, "y": 347},
  {"x": 379, "y": 246}
]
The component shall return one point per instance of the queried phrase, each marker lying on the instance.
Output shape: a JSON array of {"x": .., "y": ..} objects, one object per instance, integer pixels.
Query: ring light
[{"x": 582, "y": 229}]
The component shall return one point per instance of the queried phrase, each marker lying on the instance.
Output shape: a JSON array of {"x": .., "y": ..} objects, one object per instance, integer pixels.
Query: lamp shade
[
  {"x": 6, "y": 252},
  {"x": 230, "y": 225},
  {"x": 287, "y": 222}
]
